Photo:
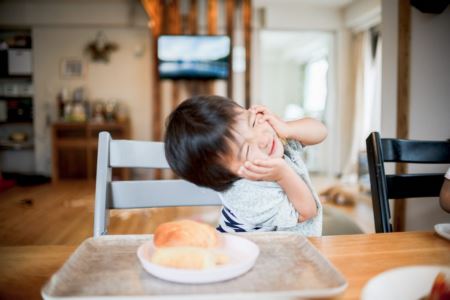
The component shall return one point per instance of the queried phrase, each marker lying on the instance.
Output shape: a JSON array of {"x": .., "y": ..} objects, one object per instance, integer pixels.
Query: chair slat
[
  {"x": 160, "y": 193},
  {"x": 104, "y": 173},
  {"x": 137, "y": 154},
  {"x": 414, "y": 151},
  {"x": 414, "y": 185},
  {"x": 378, "y": 183}
]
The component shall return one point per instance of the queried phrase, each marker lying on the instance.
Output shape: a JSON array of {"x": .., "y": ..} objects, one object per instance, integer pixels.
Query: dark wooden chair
[{"x": 385, "y": 187}]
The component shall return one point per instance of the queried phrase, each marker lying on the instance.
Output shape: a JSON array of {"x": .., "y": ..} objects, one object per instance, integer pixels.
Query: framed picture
[{"x": 72, "y": 68}]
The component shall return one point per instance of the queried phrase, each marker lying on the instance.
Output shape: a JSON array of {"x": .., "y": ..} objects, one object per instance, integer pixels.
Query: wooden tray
[{"x": 288, "y": 265}]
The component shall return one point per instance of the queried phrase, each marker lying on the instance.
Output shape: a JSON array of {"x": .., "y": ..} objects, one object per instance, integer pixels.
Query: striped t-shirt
[{"x": 264, "y": 206}]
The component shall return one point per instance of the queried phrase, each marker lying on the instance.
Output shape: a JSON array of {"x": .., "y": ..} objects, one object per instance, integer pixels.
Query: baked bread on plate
[{"x": 187, "y": 244}]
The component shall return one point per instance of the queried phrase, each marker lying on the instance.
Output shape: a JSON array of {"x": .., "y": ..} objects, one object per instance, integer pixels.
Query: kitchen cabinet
[{"x": 75, "y": 148}]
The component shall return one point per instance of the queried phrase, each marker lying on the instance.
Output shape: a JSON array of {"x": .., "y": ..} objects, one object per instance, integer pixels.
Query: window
[{"x": 315, "y": 88}]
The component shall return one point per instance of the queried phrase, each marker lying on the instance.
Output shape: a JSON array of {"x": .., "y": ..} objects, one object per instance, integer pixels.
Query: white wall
[
  {"x": 362, "y": 14},
  {"x": 61, "y": 29},
  {"x": 429, "y": 95},
  {"x": 72, "y": 12},
  {"x": 302, "y": 16},
  {"x": 430, "y": 75},
  {"x": 126, "y": 78},
  {"x": 389, "y": 31},
  {"x": 430, "y": 102}
]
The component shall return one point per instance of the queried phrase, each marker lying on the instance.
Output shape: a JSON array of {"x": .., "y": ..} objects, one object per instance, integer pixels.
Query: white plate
[
  {"x": 443, "y": 230},
  {"x": 406, "y": 283},
  {"x": 242, "y": 254}
]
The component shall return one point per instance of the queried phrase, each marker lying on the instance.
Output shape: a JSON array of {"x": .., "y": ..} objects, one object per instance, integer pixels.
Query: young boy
[{"x": 252, "y": 158}]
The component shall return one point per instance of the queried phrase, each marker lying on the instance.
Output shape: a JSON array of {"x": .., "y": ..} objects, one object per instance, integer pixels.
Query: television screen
[{"x": 193, "y": 56}]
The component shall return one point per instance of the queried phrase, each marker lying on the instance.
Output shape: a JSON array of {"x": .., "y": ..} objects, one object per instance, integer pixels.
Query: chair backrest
[
  {"x": 385, "y": 187},
  {"x": 139, "y": 193}
]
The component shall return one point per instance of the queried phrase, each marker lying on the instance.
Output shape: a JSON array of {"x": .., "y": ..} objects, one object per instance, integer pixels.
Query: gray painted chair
[{"x": 139, "y": 193}]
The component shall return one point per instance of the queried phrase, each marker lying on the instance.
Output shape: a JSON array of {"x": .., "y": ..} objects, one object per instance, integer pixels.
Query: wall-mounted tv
[{"x": 193, "y": 56}]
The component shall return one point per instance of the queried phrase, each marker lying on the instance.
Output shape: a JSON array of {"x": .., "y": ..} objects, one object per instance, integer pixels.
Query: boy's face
[{"x": 253, "y": 140}]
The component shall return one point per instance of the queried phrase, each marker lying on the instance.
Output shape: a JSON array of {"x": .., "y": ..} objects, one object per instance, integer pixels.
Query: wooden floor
[{"x": 63, "y": 214}]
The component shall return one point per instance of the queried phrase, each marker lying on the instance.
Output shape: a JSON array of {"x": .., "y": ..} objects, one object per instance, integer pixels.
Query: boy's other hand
[
  {"x": 280, "y": 126},
  {"x": 271, "y": 169}
]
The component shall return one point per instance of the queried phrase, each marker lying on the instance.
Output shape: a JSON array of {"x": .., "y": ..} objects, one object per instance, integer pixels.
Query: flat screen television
[{"x": 193, "y": 56}]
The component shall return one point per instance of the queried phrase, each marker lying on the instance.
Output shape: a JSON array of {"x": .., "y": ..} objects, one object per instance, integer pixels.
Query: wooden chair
[
  {"x": 143, "y": 193},
  {"x": 385, "y": 187}
]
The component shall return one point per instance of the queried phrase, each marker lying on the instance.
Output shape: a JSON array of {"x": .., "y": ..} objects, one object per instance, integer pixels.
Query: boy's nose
[{"x": 263, "y": 141}]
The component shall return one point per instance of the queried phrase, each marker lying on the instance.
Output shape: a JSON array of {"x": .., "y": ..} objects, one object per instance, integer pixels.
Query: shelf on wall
[
  {"x": 8, "y": 97},
  {"x": 12, "y": 123},
  {"x": 8, "y": 145},
  {"x": 15, "y": 77}
]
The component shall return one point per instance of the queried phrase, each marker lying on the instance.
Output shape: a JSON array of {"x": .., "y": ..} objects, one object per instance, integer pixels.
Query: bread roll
[
  {"x": 187, "y": 258},
  {"x": 187, "y": 244},
  {"x": 185, "y": 233}
]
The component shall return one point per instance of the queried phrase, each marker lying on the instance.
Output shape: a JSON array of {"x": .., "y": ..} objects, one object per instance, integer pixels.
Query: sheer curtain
[{"x": 366, "y": 97}]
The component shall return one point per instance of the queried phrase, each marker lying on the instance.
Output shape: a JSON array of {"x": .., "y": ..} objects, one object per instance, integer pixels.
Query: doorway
[{"x": 296, "y": 80}]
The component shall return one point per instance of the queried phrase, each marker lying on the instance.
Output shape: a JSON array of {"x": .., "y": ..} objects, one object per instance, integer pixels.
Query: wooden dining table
[{"x": 360, "y": 257}]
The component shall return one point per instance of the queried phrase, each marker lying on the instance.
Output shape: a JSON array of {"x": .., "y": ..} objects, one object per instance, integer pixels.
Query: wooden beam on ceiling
[
  {"x": 403, "y": 103},
  {"x": 212, "y": 9},
  {"x": 174, "y": 21},
  {"x": 230, "y": 31},
  {"x": 247, "y": 15},
  {"x": 174, "y": 17},
  {"x": 193, "y": 19},
  {"x": 212, "y": 16},
  {"x": 153, "y": 10}
]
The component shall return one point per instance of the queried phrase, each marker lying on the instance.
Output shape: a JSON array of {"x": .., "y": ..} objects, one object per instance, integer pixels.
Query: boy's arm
[
  {"x": 298, "y": 194},
  {"x": 293, "y": 185},
  {"x": 307, "y": 131}
]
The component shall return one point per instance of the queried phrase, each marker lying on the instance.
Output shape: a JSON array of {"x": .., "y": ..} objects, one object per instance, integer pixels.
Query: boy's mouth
[{"x": 272, "y": 147}]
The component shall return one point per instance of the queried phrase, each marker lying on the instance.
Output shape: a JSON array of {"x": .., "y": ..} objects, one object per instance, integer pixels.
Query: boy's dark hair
[{"x": 197, "y": 140}]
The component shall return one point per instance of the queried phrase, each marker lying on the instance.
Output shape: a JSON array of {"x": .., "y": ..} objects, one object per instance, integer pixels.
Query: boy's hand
[
  {"x": 271, "y": 169},
  {"x": 280, "y": 126}
]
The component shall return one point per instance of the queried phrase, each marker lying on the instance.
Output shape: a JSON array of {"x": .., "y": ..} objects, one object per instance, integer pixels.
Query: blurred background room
[{"x": 72, "y": 68}]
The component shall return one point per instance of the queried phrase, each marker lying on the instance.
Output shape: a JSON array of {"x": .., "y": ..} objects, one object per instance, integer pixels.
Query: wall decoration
[
  {"x": 100, "y": 49},
  {"x": 72, "y": 68}
]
